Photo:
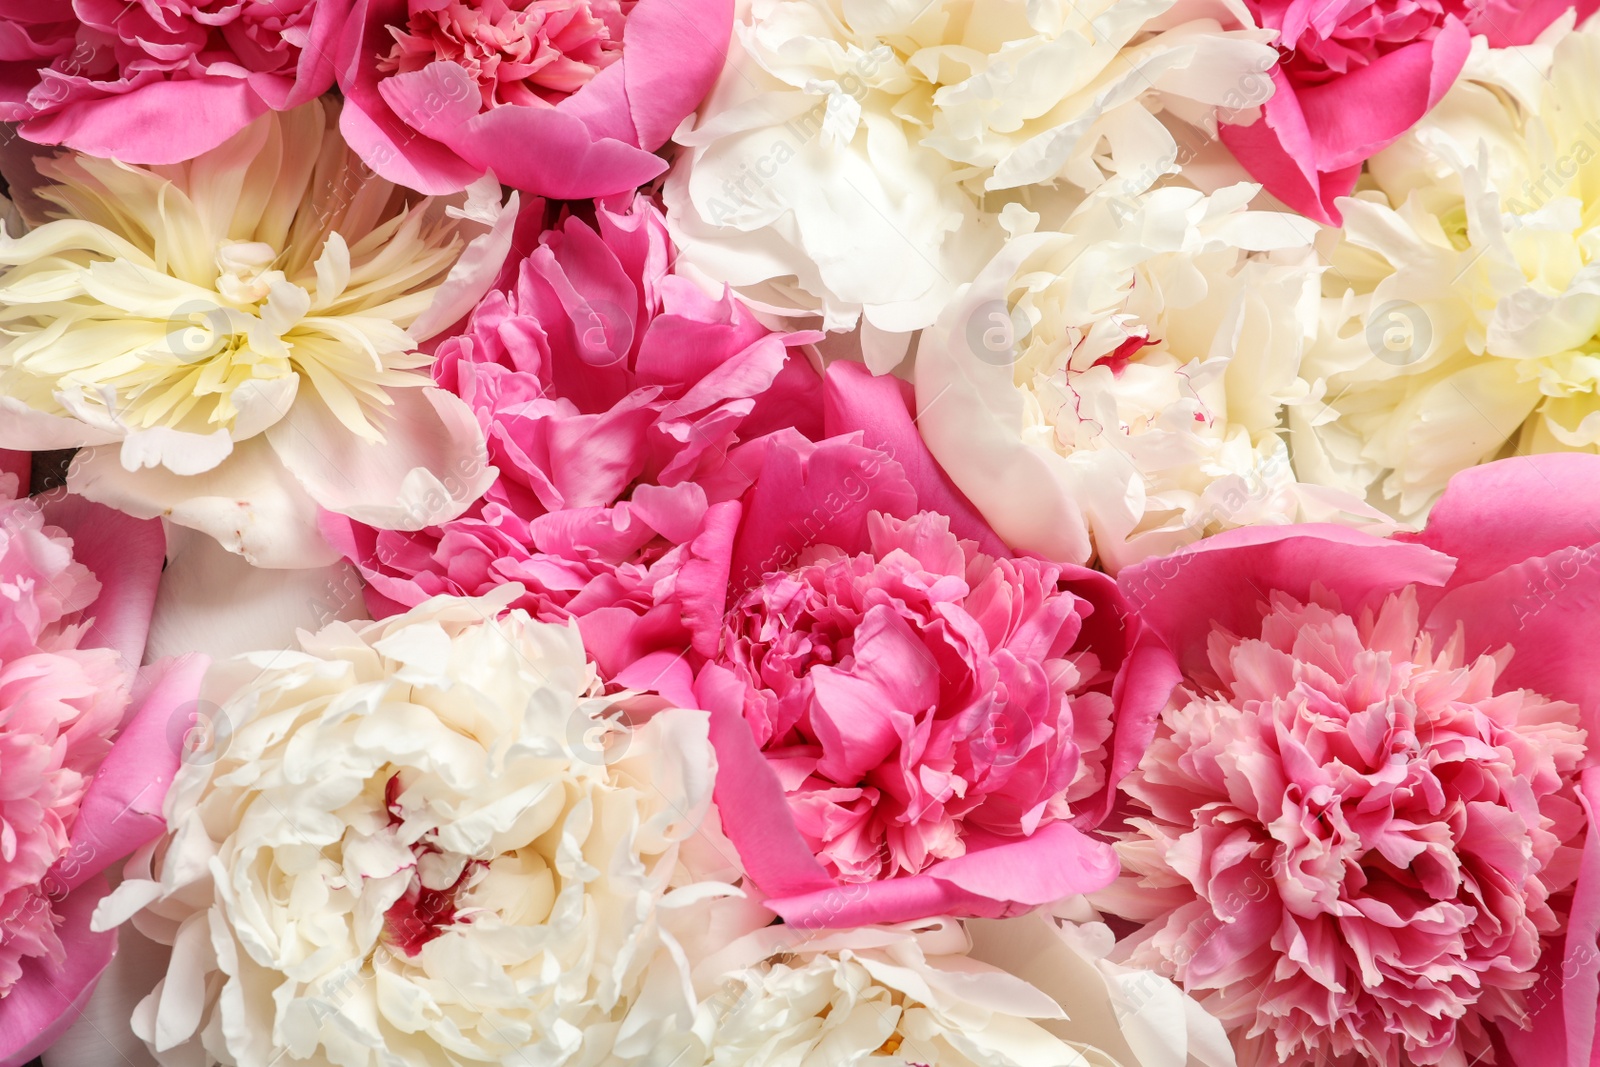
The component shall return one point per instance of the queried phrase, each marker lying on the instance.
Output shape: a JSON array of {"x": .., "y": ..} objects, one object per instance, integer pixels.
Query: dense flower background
[{"x": 793, "y": 533}]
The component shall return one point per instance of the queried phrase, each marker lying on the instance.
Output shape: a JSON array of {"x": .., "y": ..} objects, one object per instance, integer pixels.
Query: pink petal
[
  {"x": 1502, "y": 513},
  {"x": 540, "y": 150},
  {"x": 755, "y": 813},
  {"x": 1548, "y": 610},
  {"x": 1516, "y": 22},
  {"x": 1354, "y": 116},
  {"x": 162, "y": 122},
  {"x": 126, "y": 555},
  {"x": 122, "y": 807},
  {"x": 880, "y": 407},
  {"x": 48, "y": 999},
  {"x": 673, "y": 51},
  {"x": 1233, "y": 571},
  {"x": 1280, "y": 151},
  {"x": 385, "y": 143}
]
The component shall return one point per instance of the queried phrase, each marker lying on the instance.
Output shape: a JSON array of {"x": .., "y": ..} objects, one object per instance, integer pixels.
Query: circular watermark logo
[
  {"x": 1399, "y": 333},
  {"x": 599, "y": 739},
  {"x": 995, "y": 333},
  {"x": 1001, "y": 733},
  {"x": 603, "y": 331},
  {"x": 198, "y": 330},
  {"x": 199, "y": 731}
]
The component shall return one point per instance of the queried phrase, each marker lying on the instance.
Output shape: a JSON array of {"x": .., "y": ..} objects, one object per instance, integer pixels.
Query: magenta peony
[
  {"x": 152, "y": 83},
  {"x": 562, "y": 98},
  {"x": 1356, "y": 834},
  {"x": 908, "y": 720},
  {"x": 611, "y": 392},
  {"x": 83, "y": 779},
  {"x": 1352, "y": 77}
]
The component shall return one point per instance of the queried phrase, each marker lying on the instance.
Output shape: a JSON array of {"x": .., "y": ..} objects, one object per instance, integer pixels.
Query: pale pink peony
[
  {"x": 81, "y": 778},
  {"x": 611, "y": 392},
  {"x": 154, "y": 82},
  {"x": 562, "y": 98},
  {"x": 1356, "y": 835},
  {"x": 909, "y": 721}
]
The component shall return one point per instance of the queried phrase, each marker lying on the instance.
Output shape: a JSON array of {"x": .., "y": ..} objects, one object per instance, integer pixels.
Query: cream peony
[
  {"x": 938, "y": 993},
  {"x": 1462, "y": 313},
  {"x": 236, "y": 337},
  {"x": 1113, "y": 389},
  {"x": 855, "y": 155},
  {"x": 427, "y": 840}
]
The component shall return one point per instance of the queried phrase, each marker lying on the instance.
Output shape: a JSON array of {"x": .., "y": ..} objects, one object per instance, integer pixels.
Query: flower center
[
  {"x": 428, "y": 906},
  {"x": 529, "y": 52}
]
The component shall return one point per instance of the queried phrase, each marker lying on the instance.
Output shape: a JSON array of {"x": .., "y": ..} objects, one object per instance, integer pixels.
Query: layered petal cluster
[
  {"x": 909, "y": 720},
  {"x": 935, "y": 993},
  {"x": 236, "y": 337},
  {"x": 160, "y": 82},
  {"x": 73, "y": 619},
  {"x": 425, "y": 839},
  {"x": 1113, "y": 388},
  {"x": 854, "y": 158},
  {"x": 1460, "y": 319},
  {"x": 1353, "y": 77},
  {"x": 611, "y": 392},
  {"x": 1356, "y": 834},
  {"x": 562, "y": 98}
]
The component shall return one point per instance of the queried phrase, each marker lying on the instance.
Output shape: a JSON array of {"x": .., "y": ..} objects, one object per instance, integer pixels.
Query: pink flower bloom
[
  {"x": 563, "y": 98},
  {"x": 1357, "y": 831},
  {"x": 610, "y": 392},
  {"x": 160, "y": 82},
  {"x": 1353, "y": 77},
  {"x": 908, "y": 720},
  {"x": 83, "y": 779}
]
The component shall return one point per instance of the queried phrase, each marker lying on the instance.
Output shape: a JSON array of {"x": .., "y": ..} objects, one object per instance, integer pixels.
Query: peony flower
[
  {"x": 611, "y": 392},
  {"x": 1459, "y": 323},
  {"x": 426, "y": 839},
  {"x": 563, "y": 98},
  {"x": 235, "y": 338},
  {"x": 84, "y": 774},
  {"x": 1355, "y": 835},
  {"x": 854, "y": 159},
  {"x": 161, "y": 82},
  {"x": 909, "y": 720},
  {"x": 1353, "y": 77},
  {"x": 929, "y": 993},
  {"x": 1113, "y": 389}
]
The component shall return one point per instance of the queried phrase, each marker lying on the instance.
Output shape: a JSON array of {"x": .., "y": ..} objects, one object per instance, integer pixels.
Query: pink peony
[
  {"x": 83, "y": 779},
  {"x": 909, "y": 721},
  {"x": 562, "y": 98},
  {"x": 611, "y": 392},
  {"x": 160, "y": 82},
  {"x": 1357, "y": 833},
  {"x": 1353, "y": 77}
]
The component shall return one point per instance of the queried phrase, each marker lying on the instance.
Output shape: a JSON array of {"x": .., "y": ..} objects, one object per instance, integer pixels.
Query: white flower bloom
[
  {"x": 1113, "y": 388},
  {"x": 421, "y": 841},
  {"x": 237, "y": 337},
  {"x": 930, "y": 993},
  {"x": 855, "y": 154},
  {"x": 1462, "y": 319}
]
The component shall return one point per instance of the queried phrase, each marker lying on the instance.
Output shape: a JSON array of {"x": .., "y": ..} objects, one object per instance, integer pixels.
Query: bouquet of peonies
[{"x": 799, "y": 533}]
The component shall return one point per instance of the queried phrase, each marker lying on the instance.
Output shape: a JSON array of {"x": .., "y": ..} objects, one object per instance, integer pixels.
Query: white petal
[
  {"x": 213, "y": 601},
  {"x": 249, "y": 503},
  {"x": 431, "y": 465}
]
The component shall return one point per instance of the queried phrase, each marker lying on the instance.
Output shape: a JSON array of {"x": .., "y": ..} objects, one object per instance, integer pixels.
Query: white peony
[
  {"x": 1112, "y": 389},
  {"x": 855, "y": 154},
  {"x": 1462, "y": 314},
  {"x": 236, "y": 337},
  {"x": 425, "y": 840},
  {"x": 930, "y": 993}
]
